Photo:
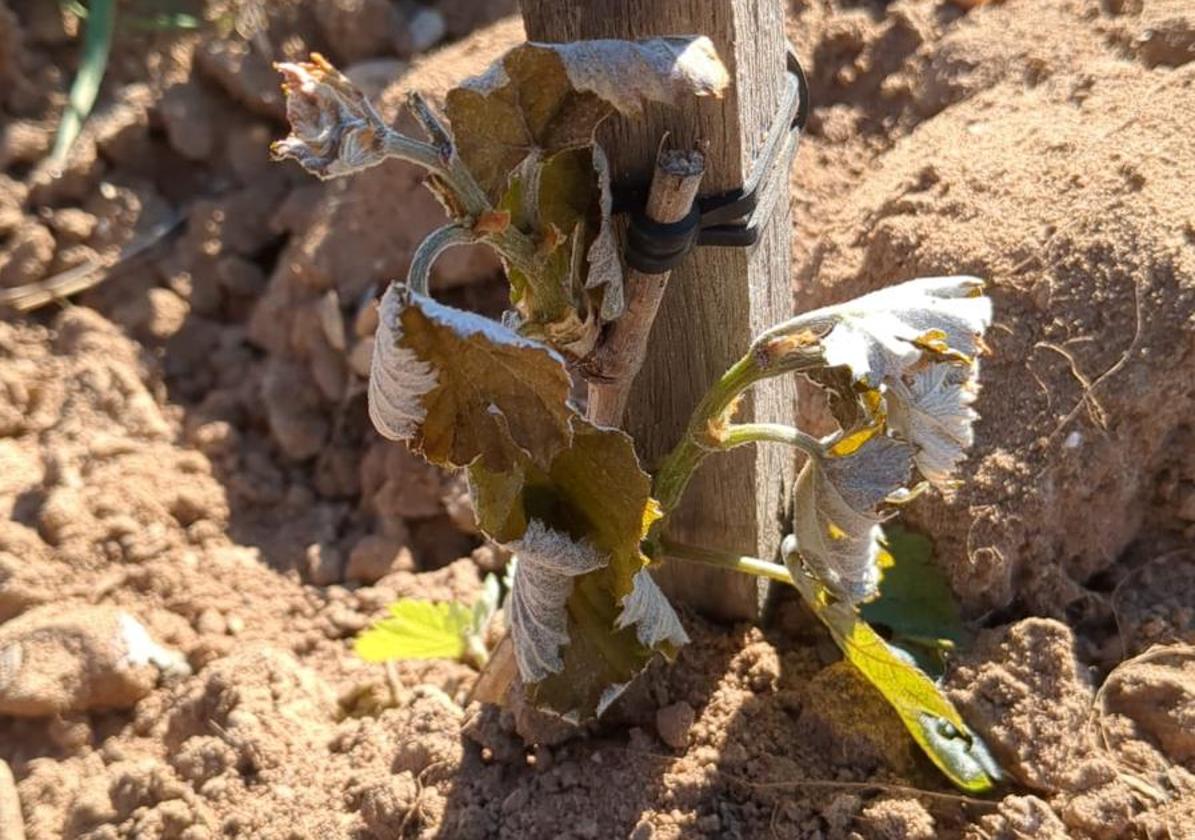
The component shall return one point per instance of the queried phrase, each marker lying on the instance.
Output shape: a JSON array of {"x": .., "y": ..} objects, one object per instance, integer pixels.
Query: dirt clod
[{"x": 66, "y": 662}]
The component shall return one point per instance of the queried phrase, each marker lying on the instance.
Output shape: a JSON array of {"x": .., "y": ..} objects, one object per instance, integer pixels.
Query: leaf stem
[
  {"x": 710, "y": 429},
  {"x": 727, "y": 560},
  {"x": 700, "y": 437},
  {"x": 739, "y": 434},
  {"x": 436, "y": 243}
]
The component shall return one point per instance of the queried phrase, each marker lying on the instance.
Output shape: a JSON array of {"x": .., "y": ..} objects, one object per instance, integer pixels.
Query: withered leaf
[
  {"x": 545, "y": 98},
  {"x": 594, "y": 501},
  {"x": 463, "y": 388}
]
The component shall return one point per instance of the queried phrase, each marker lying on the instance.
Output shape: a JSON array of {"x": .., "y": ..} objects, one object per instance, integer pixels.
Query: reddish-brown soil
[{"x": 185, "y": 453}]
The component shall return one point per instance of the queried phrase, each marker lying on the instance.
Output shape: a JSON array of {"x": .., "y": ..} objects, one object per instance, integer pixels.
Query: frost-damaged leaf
[
  {"x": 837, "y": 501},
  {"x": 931, "y": 409},
  {"x": 417, "y": 630},
  {"x": 909, "y": 353},
  {"x": 931, "y": 719},
  {"x": 334, "y": 130},
  {"x": 545, "y": 98},
  {"x": 595, "y": 499},
  {"x": 548, "y": 561},
  {"x": 564, "y": 205},
  {"x": 648, "y": 610},
  {"x": 462, "y": 387}
]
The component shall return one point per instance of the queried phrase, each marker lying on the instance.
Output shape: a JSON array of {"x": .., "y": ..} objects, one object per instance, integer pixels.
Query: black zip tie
[{"x": 728, "y": 220}]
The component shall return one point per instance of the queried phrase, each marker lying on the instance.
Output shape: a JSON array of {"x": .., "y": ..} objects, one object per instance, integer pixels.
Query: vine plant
[{"x": 517, "y": 167}]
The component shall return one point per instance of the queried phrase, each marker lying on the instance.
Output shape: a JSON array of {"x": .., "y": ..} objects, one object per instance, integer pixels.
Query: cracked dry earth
[{"x": 196, "y": 518}]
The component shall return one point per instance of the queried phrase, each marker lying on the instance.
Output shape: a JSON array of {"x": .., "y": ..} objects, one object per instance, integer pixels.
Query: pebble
[{"x": 673, "y": 724}]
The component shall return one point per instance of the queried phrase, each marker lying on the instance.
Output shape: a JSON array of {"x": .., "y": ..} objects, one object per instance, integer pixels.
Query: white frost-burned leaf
[
  {"x": 837, "y": 500},
  {"x": 398, "y": 378},
  {"x": 931, "y": 409},
  {"x": 605, "y": 262},
  {"x": 461, "y": 387},
  {"x": 334, "y": 129},
  {"x": 545, "y": 98},
  {"x": 887, "y": 333},
  {"x": 647, "y": 609},
  {"x": 907, "y": 355},
  {"x": 548, "y": 561}
]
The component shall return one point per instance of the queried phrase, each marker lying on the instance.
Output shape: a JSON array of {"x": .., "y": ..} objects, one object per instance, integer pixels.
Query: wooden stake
[{"x": 719, "y": 298}]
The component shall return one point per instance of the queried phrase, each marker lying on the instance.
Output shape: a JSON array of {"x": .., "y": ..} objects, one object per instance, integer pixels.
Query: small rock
[
  {"x": 12, "y": 826},
  {"x": 425, "y": 28},
  {"x": 365, "y": 324},
  {"x": 357, "y": 29},
  {"x": 325, "y": 565},
  {"x": 186, "y": 114},
  {"x": 673, "y": 724},
  {"x": 27, "y": 255},
  {"x": 374, "y": 557},
  {"x": 72, "y": 224},
  {"x": 56, "y": 660},
  {"x": 211, "y": 622},
  {"x": 897, "y": 819}
]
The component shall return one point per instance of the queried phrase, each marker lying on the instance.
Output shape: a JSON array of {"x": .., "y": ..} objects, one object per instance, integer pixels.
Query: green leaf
[
  {"x": 463, "y": 388},
  {"x": 916, "y": 603},
  {"x": 98, "y": 27},
  {"x": 590, "y": 509},
  {"x": 540, "y": 99},
  {"x": 929, "y": 716},
  {"x": 417, "y": 630}
]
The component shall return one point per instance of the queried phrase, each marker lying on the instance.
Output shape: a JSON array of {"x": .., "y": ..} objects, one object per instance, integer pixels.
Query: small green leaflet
[
  {"x": 931, "y": 719},
  {"x": 417, "y": 630},
  {"x": 916, "y": 604},
  {"x": 98, "y": 29}
]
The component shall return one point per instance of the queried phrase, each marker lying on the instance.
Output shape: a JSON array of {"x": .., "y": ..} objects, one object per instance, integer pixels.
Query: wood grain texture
[{"x": 719, "y": 298}]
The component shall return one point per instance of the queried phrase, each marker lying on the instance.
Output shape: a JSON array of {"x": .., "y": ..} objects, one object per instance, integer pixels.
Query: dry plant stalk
[{"x": 612, "y": 368}]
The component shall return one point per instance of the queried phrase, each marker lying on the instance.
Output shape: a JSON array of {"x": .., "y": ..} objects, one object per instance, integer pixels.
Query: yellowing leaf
[
  {"x": 461, "y": 387},
  {"x": 595, "y": 500},
  {"x": 931, "y": 719},
  {"x": 417, "y": 630},
  {"x": 544, "y": 98}
]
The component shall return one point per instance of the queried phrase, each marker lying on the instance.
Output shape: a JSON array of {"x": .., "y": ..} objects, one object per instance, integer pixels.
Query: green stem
[
  {"x": 395, "y": 144},
  {"x": 436, "y": 243},
  {"x": 727, "y": 560},
  {"x": 743, "y": 433},
  {"x": 700, "y": 437}
]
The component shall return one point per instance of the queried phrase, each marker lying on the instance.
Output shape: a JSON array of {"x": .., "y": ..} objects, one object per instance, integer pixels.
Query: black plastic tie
[{"x": 728, "y": 220}]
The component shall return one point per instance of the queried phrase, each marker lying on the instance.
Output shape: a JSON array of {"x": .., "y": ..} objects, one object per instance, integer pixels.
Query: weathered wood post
[{"x": 719, "y": 298}]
